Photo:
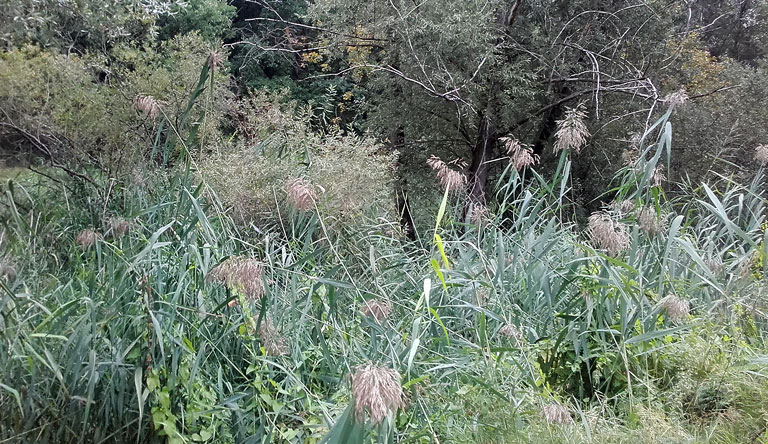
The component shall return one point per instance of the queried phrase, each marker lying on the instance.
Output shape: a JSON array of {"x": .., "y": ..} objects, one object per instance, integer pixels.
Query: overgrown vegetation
[{"x": 358, "y": 222}]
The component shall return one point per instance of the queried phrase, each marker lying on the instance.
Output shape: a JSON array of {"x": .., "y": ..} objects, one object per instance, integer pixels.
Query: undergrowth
[{"x": 151, "y": 315}]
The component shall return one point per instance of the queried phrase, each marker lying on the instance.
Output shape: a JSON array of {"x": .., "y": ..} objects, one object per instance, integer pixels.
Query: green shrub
[
  {"x": 212, "y": 19},
  {"x": 351, "y": 175},
  {"x": 517, "y": 327},
  {"x": 59, "y": 108},
  {"x": 79, "y": 26}
]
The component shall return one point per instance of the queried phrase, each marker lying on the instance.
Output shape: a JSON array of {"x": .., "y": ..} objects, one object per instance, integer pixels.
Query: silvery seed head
[
  {"x": 520, "y": 156},
  {"x": 147, "y": 104},
  {"x": 677, "y": 98},
  {"x": 378, "y": 308},
  {"x": 214, "y": 60},
  {"x": 658, "y": 177},
  {"x": 556, "y": 413},
  {"x": 118, "y": 227},
  {"x": 624, "y": 207},
  {"x": 88, "y": 237},
  {"x": 241, "y": 274},
  {"x": 630, "y": 156},
  {"x": 377, "y": 392},
  {"x": 271, "y": 339},
  {"x": 450, "y": 179},
  {"x": 650, "y": 222},
  {"x": 761, "y": 154},
  {"x": 572, "y": 132},
  {"x": 715, "y": 265},
  {"x": 479, "y": 214},
  {"x": 610, "y": 235},
  {"x": 7, "y": 269},
  {"x": 512, "y": 333},
  {"x": 301, "y": 194},
  {"x": 676, "y": 308}
]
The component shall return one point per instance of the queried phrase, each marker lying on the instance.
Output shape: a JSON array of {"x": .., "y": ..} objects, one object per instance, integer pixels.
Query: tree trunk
[
  {"x": 549, "y": 120},
  {"x": 482, "y": 152},
  {"x": 397, "y": 139},
  {"x": 404, "y": 209}
]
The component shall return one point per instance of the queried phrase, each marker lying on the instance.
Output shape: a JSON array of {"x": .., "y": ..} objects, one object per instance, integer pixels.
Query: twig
[
  {"x": 43, "y": 148},
  {"x": 714, "y": 91},
  {"x": 314, "y": 28}
]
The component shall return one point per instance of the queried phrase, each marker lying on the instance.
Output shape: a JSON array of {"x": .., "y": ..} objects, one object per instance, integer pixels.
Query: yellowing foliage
[{"x": 700, "y": 69}]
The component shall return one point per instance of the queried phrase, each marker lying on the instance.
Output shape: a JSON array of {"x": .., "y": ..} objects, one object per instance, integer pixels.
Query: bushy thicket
[
  {"x": 86, "y": 112},
  {"x": 206, "y": 255},
  {"x": 716, "y": 130},
  {"x": 275, "y": 145},
  {"x": 152, "y": 315}
]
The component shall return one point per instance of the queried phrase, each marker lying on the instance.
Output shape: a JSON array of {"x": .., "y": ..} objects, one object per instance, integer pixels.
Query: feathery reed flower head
[
  {"x": 556, "y": 413},
  {"x": 301, "y": 194},
  {"x": 379, "y": 309},
  {"x": 479, "y": 214},
  {"x": 147, "y": 105},
  {"x": 744, "y": 267},
  {"x": 607, "y": 233},
  {"x": 7, "y": 269},
  {"x": 271, "y": 339},
  {"x": 520, "y": 156},
  {"x": 634, "y": 140},
  {"x": 571, "y": 132},
  {"x": 118, "y": 227},
  {"x": 658, "y": 177},
  {"x": 629, "y": 156},
  {"x": 88, "y": 237},
  {"x": 482, "y": 295},
  {"x": 377, "y": 391},
  {"x": 715, "y": 265},
  {"x": 761, "y": 154},
  {"x": 241, "y": 274},
  {"x": 677, "y": 98},
  {"x": 650, "y": 222},
  {"x": 214, "y": 60},
  {"x": 676, "y": 308},
  {"x": 511, "y": 332},
  {"x": 623, "y": 207},
  {"x": 450, "y": 179}
]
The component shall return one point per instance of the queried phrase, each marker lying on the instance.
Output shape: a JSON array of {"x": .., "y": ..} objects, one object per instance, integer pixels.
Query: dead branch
[{"x": 42, "y": 148}]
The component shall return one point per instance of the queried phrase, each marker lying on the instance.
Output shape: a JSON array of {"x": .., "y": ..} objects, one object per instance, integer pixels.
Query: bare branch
[
  {"x": 41, "y": 147},
  {"x": 315, "y": 28}
]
